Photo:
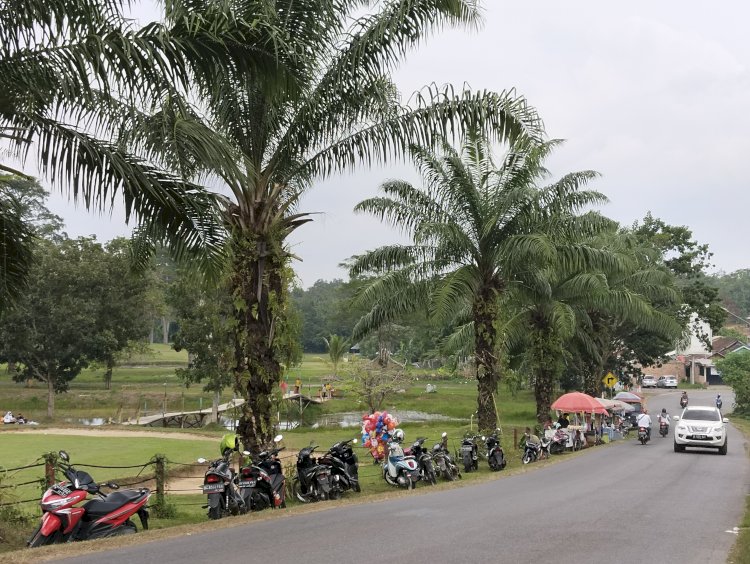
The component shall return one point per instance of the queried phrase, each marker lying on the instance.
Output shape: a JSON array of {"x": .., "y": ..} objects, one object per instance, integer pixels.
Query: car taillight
[{"x": 212, "y": 478}]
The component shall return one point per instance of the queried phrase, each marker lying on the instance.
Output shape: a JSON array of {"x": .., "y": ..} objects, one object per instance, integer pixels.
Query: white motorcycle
[{"x": 400, "y": 470}]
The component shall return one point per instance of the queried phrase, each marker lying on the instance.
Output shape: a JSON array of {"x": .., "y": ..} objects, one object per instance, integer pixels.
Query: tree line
[{"x": 210, "y": 125}]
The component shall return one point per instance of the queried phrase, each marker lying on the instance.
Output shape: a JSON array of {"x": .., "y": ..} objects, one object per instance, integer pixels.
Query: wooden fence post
[
  {"x": 160, "y": 473},
  {"x": 50, "y": 462},
  {"x": 515, "y": 437}
]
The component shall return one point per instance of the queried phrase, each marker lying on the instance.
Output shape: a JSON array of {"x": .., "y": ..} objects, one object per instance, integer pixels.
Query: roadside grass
[{"x": 741, "y": 552}]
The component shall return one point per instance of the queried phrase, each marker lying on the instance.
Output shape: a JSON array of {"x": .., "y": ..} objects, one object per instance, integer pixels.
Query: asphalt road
[{"x": 624, "y": 503}]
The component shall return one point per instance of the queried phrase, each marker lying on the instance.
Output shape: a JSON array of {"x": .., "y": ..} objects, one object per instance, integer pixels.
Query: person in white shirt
[
  {"x": 664, "y": 418},
  {"x": 644, "y": 420}
]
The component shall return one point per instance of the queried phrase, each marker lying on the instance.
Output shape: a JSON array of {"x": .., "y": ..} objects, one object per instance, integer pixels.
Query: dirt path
[{"x": 97, "y": 432}]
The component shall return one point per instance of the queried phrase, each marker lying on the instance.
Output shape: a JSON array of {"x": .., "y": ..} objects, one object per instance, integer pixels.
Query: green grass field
[{"x": 147, "y": 384}]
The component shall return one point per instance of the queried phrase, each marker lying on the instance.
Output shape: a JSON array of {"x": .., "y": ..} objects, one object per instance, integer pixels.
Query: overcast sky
[{"x": 653, "y": 95}]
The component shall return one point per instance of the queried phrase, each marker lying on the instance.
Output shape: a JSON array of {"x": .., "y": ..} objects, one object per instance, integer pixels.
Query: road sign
[{"x": 609, "y": 380}]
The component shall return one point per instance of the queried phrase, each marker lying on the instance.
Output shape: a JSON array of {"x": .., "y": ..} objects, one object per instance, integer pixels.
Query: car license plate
[
  {"x": 213, "y": 488},
  {"x": 247, "y": 483},
  {"x": 699, "y": 436}
]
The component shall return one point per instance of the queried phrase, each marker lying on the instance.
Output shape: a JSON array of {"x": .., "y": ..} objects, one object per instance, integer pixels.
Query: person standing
[{"x": 297, "y": 385}]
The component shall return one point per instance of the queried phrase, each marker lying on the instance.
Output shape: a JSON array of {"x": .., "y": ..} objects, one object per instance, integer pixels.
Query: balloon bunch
[{"x": 376, "y": 429}]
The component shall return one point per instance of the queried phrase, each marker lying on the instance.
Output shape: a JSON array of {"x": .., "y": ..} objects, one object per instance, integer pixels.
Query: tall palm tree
[
  {"x": 74, "y": 74},
  {"x": 334, "y": 107},
  {"x": 478, "y": 231},
  {"x": 16, "y": 245},
  {"x": 337, "y": 347},
  {"x": 563, "y": 300}
]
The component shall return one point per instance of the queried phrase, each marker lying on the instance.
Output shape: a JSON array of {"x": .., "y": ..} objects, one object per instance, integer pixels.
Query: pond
[{"x": 349, "y": 419}]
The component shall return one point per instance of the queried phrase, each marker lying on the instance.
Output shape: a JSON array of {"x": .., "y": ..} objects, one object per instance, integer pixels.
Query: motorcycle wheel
[
  {"x": 409, "y": 483},
  {"x": 297, "y": 491},
  {"x": 448, "y": 475},
  {"x": 356, "y": 487},
  {"x": 526, "y": 458},
  {"x": 38, "y": 539},
  {"x": 215, "y": 506}
]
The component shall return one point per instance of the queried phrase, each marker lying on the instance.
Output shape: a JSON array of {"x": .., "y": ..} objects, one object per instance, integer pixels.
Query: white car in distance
[{"x": 700, "y": 426}]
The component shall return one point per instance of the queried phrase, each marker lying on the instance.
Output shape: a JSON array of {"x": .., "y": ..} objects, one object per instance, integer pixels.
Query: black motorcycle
[
  {"x": 442, "y": 460},
  {"x": 313, "y": 481},
  {"x": 342, "y": 461},
  {"x": 263, "y": 485},
  {"x": 495, "y": 452},
  {"x": 220, "y": 485},
  {"x": 424, "y": 459},
  {"x": 470, "y": 452}
]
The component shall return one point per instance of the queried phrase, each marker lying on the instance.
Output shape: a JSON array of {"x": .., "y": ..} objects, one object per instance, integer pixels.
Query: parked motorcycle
[
  {"x": 495, "y": 452},
  {"x": 107, "y": 515},
  {"x": 559, "y": 442},
  {"x": 424, "y": 460},
  {"x": 342, "y": 461},
  {"x": 663, "y": 429},
  {"x": 220, "y": 483},
  {"x": 313, "y": 481},
  {"x": 442, "y": 460},
  {"x": 263, "y": 485},
  {"x": 643, "y": 435},
  {"x": 398, "y": 469},
  {"x": 470, "y": 452},
  {"x": 531, "y": 452}
]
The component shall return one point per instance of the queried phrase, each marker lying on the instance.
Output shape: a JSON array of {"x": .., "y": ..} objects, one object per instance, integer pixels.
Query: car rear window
[{"x": 701, "y": 415}]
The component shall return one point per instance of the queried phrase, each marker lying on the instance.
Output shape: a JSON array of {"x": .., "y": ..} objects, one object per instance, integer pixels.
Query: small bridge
[{"x": 197, "y": 419}]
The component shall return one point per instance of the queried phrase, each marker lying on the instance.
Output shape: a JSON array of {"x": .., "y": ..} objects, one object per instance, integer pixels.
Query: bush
[{"x": 735, "y": 371}]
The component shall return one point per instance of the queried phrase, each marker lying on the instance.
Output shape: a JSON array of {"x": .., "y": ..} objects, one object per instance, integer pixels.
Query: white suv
[{"x": 700, "y": 426}]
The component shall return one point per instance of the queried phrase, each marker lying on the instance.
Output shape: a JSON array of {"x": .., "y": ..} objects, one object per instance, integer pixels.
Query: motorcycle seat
[{"x": 113, "y": 501}]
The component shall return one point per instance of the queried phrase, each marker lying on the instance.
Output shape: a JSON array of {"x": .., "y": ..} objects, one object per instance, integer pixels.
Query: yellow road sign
[{"x": 609, "y": 380}]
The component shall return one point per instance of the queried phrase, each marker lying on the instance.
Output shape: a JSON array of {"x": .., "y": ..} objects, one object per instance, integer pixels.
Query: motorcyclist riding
[
  {"x": 664, "y": 418},
  {"x": 644, "y": 420},
  {"x": 718, "y": 401},
  {"x": 684, "y": 399}
]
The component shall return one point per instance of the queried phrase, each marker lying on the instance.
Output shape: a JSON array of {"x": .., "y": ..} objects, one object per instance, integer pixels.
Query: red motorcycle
[{"x": 107, "y": 515}]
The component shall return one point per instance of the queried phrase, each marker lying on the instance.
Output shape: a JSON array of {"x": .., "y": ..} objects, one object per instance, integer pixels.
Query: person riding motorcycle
[
  {"x": 664, "y": 418},
  {"x": 684, "y": 399},
  {"x": 644, "y": 420},
  {"x": 719, "y": 403}
]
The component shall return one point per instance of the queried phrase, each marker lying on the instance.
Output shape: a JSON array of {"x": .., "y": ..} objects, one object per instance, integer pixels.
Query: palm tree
[
  {"x": 478, "y": 231},
  {"x": 16, "y": 246},
  {"x": 334, "y": 106},
  {"x": 75, "y": 73},
  {"x": 554, "y": 309},
  {"x": 337, "y": 348}
]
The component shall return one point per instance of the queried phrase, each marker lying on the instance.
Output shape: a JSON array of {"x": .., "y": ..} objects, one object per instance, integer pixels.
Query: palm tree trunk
[
  {"x": 259, "y": 294},
  {"x": 543, "y": 389},
  {"x": 486, "y": 363}
]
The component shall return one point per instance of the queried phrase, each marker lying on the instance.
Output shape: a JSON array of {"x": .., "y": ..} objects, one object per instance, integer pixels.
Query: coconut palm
[
  {"x": 16, "y": 245},
  {"x": 337, "y": 347},
  {"x": 76, "y": 72},
  {"x": 478, "y": 231},
  {"x": 338, "y": 107}
]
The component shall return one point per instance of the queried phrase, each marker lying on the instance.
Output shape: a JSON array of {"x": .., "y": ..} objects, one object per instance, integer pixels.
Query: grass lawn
[{"x": 741, "y": 552}]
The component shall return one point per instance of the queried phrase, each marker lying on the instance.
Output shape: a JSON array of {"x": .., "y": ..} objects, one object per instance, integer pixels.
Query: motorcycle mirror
[
  {"x": 64, "y": 455},
  {"x": 201, "y": 460},
  {"x": 444, "y": 434},
  {"x": 277, "y": 438}
]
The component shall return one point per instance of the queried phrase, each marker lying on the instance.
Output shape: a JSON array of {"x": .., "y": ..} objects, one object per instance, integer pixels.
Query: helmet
[
  {"x": 663, "y": 409},
  {"x": 398, "y": 435},
  {"x": 229, "y": 441}
]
